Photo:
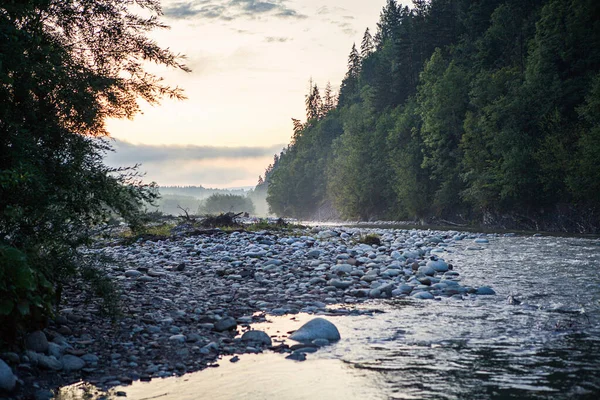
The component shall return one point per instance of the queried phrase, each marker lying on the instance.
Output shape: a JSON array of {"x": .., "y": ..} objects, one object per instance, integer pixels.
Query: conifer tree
[
  {"x": 367, "y": 46},
  {"x": 329, "y": 100}
]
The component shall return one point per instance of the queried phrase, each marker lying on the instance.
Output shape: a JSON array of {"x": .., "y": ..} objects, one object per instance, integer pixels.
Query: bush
[
  {"x": 55, "y": 96},
  {"x": 225, "y": 203},
  {"x": 25, "y": 293}
]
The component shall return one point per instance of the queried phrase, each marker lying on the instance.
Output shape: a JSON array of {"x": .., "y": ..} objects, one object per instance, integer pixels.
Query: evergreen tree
[
  {"x": 349, "y": 87},
  {"x": 367, "y": 46},
  {"x": 329, "y": 100}
]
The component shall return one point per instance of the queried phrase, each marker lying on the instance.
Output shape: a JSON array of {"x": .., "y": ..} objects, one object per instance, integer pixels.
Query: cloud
[
  {"x": 127, "y": 153},
  {"x": 276, "y": 39},
  {"x": 330, "y": 10},
  {"x": 210, "y": 166},
  {"x": 346, "y": 27},
  {"x": 228, "y": 10}
]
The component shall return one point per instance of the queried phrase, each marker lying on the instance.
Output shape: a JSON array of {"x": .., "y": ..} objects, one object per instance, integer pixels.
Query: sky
[{"x": 251, "y": 62}]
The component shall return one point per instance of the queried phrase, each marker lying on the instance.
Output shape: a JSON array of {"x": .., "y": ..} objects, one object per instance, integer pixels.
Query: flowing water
[{"x": 478, "y": 348}]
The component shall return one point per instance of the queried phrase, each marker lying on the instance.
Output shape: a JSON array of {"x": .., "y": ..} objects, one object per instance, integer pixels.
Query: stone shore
[{"x": 186, "y": 300}]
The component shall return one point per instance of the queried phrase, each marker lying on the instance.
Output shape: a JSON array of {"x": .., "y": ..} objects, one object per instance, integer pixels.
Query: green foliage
[
  {"x": 98, "y": 286},
  {"x": 66, "y": 66},
  {"x": 462, "y": 110},
  {"x": 25, "y": 293},
  {"x": 225, "y": 203}
]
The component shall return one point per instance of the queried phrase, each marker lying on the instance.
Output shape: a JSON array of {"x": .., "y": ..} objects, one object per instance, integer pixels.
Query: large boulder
[
  {"x": 7, "y": 379},
  {"x": 317, "y": 328}
]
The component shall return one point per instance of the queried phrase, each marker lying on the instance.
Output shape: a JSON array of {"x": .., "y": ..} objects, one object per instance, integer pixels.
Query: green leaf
[
  {"x": 23, "y": 307},
  {"x": 6, "y": 306}
]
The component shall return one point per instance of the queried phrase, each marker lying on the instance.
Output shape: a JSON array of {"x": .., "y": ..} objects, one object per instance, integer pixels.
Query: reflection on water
[{"x": 478, "y": 348}]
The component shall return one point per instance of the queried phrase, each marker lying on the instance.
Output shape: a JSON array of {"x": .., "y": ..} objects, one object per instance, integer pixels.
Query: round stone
[
  {"x": 37, "y": 341},
  {"x": 318, "y": 328},
  {"x": 256, "y": 337},
  {"x": 72, "y": 363},
  {"x": 7, "y": 379}
]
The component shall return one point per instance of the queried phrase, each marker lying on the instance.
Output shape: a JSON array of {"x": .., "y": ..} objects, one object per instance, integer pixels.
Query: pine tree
[
  {"x": 314, "y": 104},
  {"x": 329, "y": 100},
  {"x": 367, "y": 46},
  {"x": 389, "y": 20},
  {"x": 349, "y": 87},
  {"x": 354, "y": 62}
]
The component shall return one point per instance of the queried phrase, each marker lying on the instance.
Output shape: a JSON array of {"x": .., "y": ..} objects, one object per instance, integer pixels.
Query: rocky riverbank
[{"x": 185, "y": 299}]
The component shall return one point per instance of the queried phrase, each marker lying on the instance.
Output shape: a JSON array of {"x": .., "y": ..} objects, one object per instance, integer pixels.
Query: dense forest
[{"x": 467, "y": 111}]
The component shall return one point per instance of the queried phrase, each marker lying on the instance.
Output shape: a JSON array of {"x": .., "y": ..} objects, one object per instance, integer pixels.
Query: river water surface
[{"x": 477, "y": 348}]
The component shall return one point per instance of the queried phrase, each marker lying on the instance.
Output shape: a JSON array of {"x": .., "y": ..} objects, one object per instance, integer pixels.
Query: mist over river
[{"x": 547, "y": 346}]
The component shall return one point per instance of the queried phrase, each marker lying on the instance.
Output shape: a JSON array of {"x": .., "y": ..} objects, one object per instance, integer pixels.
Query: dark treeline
[{"x": 471, "y": 111}]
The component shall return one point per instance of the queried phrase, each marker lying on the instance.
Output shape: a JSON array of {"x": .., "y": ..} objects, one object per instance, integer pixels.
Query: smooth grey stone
[
  {"x": 225, "y": 324},
  {"x": 297, "y": 356},
  {"x": 257, "y": 337},
  {"x": 340, "y": 284},
  {"x": 90, "y": 358},
  {"x": 438, "y": 266},
  {"x": 320, "y": 342},
  {"x": 313, "y": 254},
  {"x": 423, "y": 296},
  {"x": 133, "y": 273},
  {"x": 316, "y": 280},
  {"x": 485, "y": 290},
  {"x": 11, "y": 358},
  {"x": 344, "y": 268},
  {"x": 47, "y": 362},
  {"x": 44, "y": 394},
  {"x": 55, "y": 350},
  {"x": 37, "y": 341},
  {"x": 426, "y": 270},
  {"x": 306, "y": 350},
  {"x": 72, "y": 363},
  {"x": 318, "y": 328},
  {"x": 8, "y": 380},
  {"x": 481, "y": 241},
  {"x": 177, "y": 338}
]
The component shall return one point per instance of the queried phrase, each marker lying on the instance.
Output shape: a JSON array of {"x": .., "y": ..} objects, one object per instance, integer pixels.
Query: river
[{"x": 482, "y": 347}]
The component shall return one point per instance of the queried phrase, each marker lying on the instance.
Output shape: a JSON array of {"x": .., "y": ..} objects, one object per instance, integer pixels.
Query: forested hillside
[{"x": 470, "y": 111}]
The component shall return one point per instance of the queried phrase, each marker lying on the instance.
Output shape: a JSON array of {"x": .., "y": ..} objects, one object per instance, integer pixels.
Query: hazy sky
[{"x": 251, "y": 62}]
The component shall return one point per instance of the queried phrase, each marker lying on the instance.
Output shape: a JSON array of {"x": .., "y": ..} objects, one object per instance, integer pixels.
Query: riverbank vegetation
[
  {"x": 66, "y": 66},
  {"x": 470, "y": 111}
]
